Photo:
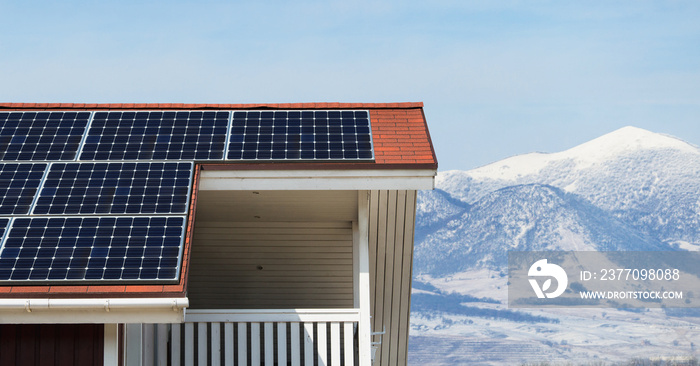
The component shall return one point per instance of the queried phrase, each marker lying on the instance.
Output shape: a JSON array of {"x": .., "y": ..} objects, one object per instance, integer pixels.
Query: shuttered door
[{"x": 51, "y": 344}]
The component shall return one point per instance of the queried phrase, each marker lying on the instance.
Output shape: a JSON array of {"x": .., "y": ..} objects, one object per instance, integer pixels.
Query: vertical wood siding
[
  {"x": 271, "y": 265},
  {"x": 51, "y": 344},
  {"x": 392, "y": 217}
]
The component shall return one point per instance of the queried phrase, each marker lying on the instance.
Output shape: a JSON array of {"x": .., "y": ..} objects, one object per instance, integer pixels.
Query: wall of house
[
  {"x": 51, "y": 344},
  {"x": 271, "y": 265},
  {"x": 391, "y": 228}
]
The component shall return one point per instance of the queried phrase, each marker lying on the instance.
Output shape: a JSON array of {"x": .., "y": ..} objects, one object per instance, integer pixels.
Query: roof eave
[{"x": 313, "y": 179}]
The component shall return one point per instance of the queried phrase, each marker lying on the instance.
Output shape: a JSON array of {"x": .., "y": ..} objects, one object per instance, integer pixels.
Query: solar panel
[
  {"x": 300, "y": 135},
  {"x": 183, "y": 135},
  {"x": 92, "y": 249},
  {"x": 18, "y": 185},
  {"x": 115, "y": 188},
  {"x": 41, "y": 136}
]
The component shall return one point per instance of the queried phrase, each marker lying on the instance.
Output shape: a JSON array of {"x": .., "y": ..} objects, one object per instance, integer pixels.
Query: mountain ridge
[
  {"x": 649, "y": 179},
  {"x": 620, "y": 141}
]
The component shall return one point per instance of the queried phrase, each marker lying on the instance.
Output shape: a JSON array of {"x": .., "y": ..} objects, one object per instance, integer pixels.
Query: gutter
[
  {"x": 105, "y": 311},
  {"x": 29, "y": 305}
]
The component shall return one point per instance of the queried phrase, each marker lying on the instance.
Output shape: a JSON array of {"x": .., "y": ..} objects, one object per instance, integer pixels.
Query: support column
[
  {"x": 134, "y": 344},
  {"x": 111, "y": 345},
  {"x": 361, "y": 276}
]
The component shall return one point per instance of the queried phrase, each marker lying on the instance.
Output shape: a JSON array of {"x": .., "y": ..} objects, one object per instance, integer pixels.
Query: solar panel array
[
  {"x": 92, "y": 248},
  {"x": 41, "y": 136},
  {"x": 156, "y": 135},
  {"x": 115, "y": 188},
  {"x": 305, "y": 135},
  {"x": 94, "y": 197}
]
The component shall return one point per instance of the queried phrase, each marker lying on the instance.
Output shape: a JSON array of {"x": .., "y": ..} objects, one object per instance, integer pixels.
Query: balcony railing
[{"x": 313, "y": 337}]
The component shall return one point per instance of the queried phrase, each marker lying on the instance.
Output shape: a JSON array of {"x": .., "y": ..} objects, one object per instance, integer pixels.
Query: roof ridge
[{"x": 205, "y": 106}]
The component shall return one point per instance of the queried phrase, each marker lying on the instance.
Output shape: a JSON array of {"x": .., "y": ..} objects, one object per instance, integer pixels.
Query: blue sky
[{"x": 497, "y": 78}]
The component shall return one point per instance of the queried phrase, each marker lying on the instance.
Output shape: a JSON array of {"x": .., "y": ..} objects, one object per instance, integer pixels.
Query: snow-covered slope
[
  {"x": 434, "y": 209},
  {"x": 436, "y": 206},
  {"x": 523, "y": 217}
]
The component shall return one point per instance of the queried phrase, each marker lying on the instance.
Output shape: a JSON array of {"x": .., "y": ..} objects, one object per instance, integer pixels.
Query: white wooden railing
[{"x": 313, "y": 337}]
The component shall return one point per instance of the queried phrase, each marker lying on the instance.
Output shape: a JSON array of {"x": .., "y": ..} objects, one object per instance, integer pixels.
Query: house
[{"x": 232, "y": 234}]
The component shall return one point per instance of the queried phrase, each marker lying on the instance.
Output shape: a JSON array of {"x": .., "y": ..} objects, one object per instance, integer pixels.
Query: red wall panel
[{"x": 51, "y": 344}]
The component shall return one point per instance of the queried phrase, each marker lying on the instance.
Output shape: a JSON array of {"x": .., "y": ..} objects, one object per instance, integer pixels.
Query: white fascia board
[
  {"x": 119, "y": 310},
  {"x": 394, "y": 179}
]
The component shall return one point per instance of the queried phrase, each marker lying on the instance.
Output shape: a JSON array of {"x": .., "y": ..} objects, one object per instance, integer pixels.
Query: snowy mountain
[
  {"x": 646, "y": 179},
  {"x": 628, "y": 190}
]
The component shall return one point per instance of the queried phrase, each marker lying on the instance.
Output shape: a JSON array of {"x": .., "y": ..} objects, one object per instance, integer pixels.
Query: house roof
[
  {"x": 399, "y": 130},
  {"x": 400, "y": 140}
]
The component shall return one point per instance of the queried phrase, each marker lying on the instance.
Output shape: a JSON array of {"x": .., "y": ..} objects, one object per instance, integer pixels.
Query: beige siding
[
  {"x": 271, "y": 265},
  {"x": 391, "y": 226}
]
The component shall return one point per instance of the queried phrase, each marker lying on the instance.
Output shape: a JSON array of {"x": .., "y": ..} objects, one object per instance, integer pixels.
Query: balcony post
[
  {"x": 361, "y": 278},
  {"x": 111, "y": 345}
]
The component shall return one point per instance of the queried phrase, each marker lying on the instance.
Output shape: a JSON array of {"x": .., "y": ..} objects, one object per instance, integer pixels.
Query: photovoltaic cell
[
  {"x": 115, "y": 188},
  {"x": 18, "y": 185},
  {"x": 183, "y": 135},
  {"x": 300, "y": 135},
  {"x": 92, "y": 249},
  {"x": 41, "y": 136}
]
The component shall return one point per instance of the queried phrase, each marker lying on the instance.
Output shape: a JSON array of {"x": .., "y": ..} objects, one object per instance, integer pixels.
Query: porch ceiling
[{"x": 272, "y": 249}]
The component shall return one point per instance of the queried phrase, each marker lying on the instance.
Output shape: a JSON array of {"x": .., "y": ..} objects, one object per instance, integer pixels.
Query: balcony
[{"x": 255, "y": 337}]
